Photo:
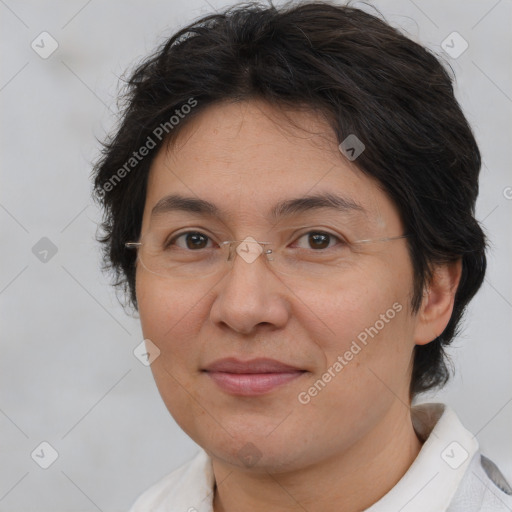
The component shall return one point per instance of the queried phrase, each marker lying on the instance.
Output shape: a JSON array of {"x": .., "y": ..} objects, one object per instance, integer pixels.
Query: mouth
[{"x": 251, "y": 378}]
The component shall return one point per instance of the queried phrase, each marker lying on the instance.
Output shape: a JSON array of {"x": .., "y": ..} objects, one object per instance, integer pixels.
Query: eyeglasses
[{"x": 159, "y": 254}]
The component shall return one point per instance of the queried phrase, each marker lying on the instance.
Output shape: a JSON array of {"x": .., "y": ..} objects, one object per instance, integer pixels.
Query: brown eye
[
  {"x": 191, "y": 240},
  {"x": 317, "y": 240}
]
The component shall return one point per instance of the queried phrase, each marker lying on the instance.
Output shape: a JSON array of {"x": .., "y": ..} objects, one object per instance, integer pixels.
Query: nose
[{"x": 250, "y": 294}]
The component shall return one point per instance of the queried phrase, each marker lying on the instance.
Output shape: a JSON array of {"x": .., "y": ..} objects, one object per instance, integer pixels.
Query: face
[{"x": 258, "y": 367}]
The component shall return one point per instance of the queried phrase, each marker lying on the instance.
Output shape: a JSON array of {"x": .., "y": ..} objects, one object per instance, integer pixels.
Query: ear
[{"x": 437, "y": 304}]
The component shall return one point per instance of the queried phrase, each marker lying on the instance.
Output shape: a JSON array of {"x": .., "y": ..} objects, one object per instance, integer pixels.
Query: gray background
[{"x": 67, "y": 369}]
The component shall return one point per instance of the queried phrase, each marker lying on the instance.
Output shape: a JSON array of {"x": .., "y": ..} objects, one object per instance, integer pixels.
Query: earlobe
[{"x": 437, "y": 304}]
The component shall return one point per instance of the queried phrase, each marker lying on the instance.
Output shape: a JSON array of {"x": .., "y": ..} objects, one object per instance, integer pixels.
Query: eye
[
  {"x": 318, "y": 240},
  {"x": 190, "y": 240}
]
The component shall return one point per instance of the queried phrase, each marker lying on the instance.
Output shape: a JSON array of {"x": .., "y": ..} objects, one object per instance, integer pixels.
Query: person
[{"x": 289, "y": 205}]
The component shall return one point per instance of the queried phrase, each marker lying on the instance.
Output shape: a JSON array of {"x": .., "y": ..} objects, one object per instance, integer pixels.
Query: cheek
[
  {"x": 165, "y": 309},
  {"x": 367, "y": 321},
  {"x": 345, "y": 310},
  {"x": 365, "y": 359},
  {"x": 170, "y": 318}
]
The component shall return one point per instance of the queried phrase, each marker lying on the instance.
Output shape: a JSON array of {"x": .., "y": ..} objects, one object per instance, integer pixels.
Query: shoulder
[
  {"x": 190, "y": 487},
  {"x": 465, "y": 480},
  {"x": 483, "y": 488}
]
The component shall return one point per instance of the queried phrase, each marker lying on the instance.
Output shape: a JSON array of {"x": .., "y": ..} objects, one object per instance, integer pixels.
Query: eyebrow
[{"x": 286, "y": 208}]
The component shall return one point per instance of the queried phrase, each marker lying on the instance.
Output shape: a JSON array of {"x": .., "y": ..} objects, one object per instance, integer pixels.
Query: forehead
[{"x": 247, "y": 157}]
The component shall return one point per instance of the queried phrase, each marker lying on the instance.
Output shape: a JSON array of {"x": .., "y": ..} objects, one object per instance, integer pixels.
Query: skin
[{"x": 352, "y": 442}]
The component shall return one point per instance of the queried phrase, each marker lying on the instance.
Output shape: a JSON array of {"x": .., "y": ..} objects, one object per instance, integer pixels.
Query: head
[{"x": 247, "y": 110}]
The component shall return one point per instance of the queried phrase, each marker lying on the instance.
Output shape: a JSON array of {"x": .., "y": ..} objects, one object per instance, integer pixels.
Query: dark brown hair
[{"x": 366, "y": 78}]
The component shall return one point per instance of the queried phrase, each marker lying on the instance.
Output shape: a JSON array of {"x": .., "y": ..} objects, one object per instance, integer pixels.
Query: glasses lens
[
  {"x": 311, "y": 263},
  {"x": 190, "y": 255}
]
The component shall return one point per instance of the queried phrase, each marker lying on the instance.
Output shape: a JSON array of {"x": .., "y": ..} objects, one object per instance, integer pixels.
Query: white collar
[{"x": 435, "y": 475}]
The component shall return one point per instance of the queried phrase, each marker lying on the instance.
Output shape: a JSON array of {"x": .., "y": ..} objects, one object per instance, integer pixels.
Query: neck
[{"x": 347, "y": 482}]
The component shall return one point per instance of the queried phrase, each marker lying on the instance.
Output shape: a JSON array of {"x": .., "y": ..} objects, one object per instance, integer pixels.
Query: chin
[
  {"x": 251, "y": 447},
  {"x": 244, "y": 454}
]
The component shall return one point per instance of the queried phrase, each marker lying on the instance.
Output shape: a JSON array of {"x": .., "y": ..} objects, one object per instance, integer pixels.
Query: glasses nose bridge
[{"x": 248, "y": 250}]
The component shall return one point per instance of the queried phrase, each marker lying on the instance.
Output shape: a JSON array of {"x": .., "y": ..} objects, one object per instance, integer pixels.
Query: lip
[{"x": 253, "y": 377}]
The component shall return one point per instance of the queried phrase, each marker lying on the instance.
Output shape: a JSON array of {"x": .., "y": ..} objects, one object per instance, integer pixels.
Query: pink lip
[{"x": 250, "y": 378}]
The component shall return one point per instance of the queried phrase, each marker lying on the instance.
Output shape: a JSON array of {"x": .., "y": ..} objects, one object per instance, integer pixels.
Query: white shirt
[{"x": 448, "y": 475}]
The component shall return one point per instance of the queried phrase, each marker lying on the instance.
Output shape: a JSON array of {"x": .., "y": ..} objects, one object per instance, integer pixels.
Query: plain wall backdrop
[{"x": 68, "y": 373}]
